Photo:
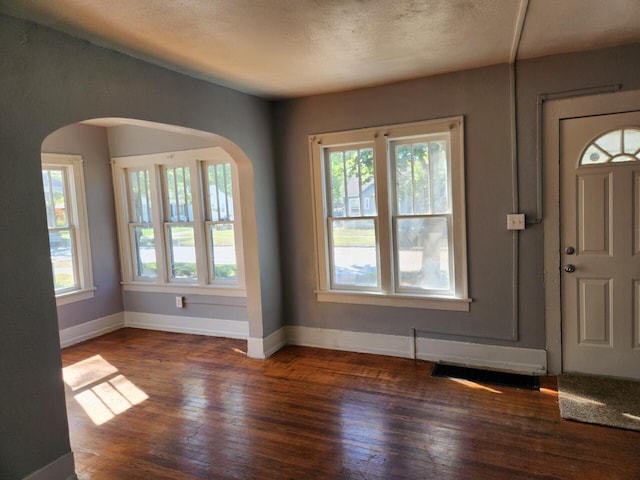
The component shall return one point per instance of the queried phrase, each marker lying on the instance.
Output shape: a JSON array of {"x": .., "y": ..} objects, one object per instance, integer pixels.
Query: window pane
[
  {"x": 223, "y": 252},
  {"x": 421, "y": 178},
  {"x": 631, "y": 141},
  {"x": 439, "y": 177},
  {"x": 354, "y": 253},
  {"x": 223, "y": 199},
  {"x": 594, "y": 155},
  {"x": 220, "y": 192},
  {"x": 183, "y": 252},
  {"x": 423, "y": 253},
  {"x": 338, "y": 207},
  {"x": 140, "y": 201},
  {"x": 54, "y": 184},
  {"x": 611, "y": 142},
  {"x": 62, "y": 262},
  {"x": 146, "y": 265},
  {"x": 352, "y": 183},
  {"x": 623, "y": 158},
  {"x": 178, "y": 191},
  {"x": 404, "y": 179}
]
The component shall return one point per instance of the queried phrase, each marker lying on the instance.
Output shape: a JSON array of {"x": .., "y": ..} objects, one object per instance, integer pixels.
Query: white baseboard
[
  {"x": 94, "y": 328},
  {"x": 462, "y": 353},
  {"x": 497, "y": 357},
  {"x": 361, "y": 342},
  {"x": 515, "y": 359},
  {"x": 61, "y": 469},
  {"x": 196, "y": 325},
  {"x": 265, "y": 347}
]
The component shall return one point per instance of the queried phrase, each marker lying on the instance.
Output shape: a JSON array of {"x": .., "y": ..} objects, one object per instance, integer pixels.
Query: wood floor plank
[{"x": 183, "y": 407}]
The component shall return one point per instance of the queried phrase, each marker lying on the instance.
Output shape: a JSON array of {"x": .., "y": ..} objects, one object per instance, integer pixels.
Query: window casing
[
  {"x": 66, "y": 209},
  {"x": 390, "y": 218},
  {"x": 178, "y": 221}
]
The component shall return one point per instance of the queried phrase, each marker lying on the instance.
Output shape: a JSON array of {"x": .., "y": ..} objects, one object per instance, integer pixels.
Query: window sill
[
  {"x": 398, "y": 300},
  {"x": 211, "y": 290},
  {"x": 75, "y": 296}
]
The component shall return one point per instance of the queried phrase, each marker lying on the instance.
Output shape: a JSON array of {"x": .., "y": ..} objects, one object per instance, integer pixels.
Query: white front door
[{"x": 600, "y": 242}]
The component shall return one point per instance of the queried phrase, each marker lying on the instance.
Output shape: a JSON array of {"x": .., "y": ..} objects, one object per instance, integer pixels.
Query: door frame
[{"x": 554, "y": 112}]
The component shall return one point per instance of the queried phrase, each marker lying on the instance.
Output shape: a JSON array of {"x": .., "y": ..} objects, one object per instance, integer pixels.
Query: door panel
[
  {"x": 595, "y": 311},
  {"x": 594, "y": 213},
  {"x": 600, "y": 218}
]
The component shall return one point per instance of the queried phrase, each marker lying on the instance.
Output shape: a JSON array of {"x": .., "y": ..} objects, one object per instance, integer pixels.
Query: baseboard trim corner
[
  {"x": 91, "y": 329},
  {"x": 265, "y": 347}
]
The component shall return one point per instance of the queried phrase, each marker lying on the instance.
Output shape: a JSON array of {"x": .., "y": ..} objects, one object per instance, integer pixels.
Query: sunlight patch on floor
[
  {"x": 579, "y": 399},
  {"x": 100, "y": 392},
  {"x": 632, "y": 417},
  {"x": 548, "y": 391},
  {"x": 470, "y": 384}
]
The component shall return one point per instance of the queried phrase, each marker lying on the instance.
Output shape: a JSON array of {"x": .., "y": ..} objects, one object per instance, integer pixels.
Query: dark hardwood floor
[{"x": 171, "y": 406}]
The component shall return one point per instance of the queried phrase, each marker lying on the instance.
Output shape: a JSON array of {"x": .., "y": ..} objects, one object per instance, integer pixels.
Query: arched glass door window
[{"x": 621, "y": 145}]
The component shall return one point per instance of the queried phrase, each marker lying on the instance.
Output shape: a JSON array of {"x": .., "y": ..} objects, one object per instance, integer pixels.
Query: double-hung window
[
  {"x": 178, "y": 221},
  {"x": 390, "y": 217},
  {"x": 63, "y": 185}
]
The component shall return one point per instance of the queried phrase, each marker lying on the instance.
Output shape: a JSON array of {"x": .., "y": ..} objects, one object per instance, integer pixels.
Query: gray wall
[
  {"x": 91, "y": 142},
  {"x": 50, "y": 80},
  {"x": 482, "y": 96},
  {"x": 201, "y": 306},
  {"x": 128, "y": 140}
]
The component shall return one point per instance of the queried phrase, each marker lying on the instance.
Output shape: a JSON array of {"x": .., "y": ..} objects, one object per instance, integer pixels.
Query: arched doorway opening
[{"x": 107, "y": 298}]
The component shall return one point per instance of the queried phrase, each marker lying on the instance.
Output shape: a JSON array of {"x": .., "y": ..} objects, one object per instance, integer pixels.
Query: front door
[{"x": 600, "y": 242}]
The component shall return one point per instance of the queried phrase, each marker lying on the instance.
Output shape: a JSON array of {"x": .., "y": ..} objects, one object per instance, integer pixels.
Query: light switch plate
[{"x": 515, "y": 221}]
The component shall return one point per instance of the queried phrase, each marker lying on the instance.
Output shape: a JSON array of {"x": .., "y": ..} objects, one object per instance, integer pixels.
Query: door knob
[
  {"x": 569, "y": 250},
  {"x": 569, "y": 268}
]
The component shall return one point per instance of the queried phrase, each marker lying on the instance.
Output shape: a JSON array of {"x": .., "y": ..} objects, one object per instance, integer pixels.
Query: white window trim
[
  {"x": 195, "y": 159},
  {"x": 78, "y": 204},
  {"x": 381, "y": 137}
]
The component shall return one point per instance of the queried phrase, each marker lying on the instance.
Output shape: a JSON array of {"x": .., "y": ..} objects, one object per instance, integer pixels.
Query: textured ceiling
[{"x": 289, "y": 48}]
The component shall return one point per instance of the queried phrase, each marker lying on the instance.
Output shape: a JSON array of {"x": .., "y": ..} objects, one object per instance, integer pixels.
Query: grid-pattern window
[
  {"x": 390, "y": 218},
  {"x": 178, "y": 223},
  {"x": 180, "y": 217},
  {"x": 352, "y": 218},
  {"x": 65, "y": 206},
  {"x": 220, "y": 222},
  {"x": 423, "y": 218},
  {"x": 61, "y": 226},
  {"x": 141, "y": 230}
]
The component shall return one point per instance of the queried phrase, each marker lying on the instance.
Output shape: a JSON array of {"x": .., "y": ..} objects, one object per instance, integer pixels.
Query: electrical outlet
[
  {"x": 179, "y": 302},
  {"x": 515, "y": 221}
]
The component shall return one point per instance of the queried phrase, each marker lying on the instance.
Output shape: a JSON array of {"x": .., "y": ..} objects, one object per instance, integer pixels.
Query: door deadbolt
[
  {"x": 569, "y": 268},
  {"x": 569, "y": 250}
]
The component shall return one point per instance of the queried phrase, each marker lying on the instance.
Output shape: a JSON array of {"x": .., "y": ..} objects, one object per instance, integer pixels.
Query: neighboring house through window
[
  {"x": 390, "y": 215},
  {"x": 63, "y": 184},
  {"x": 178, "y": 222}
]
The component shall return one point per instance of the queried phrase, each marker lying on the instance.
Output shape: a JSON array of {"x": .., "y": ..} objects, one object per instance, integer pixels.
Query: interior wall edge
[{"x": 61, "y": 469}]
